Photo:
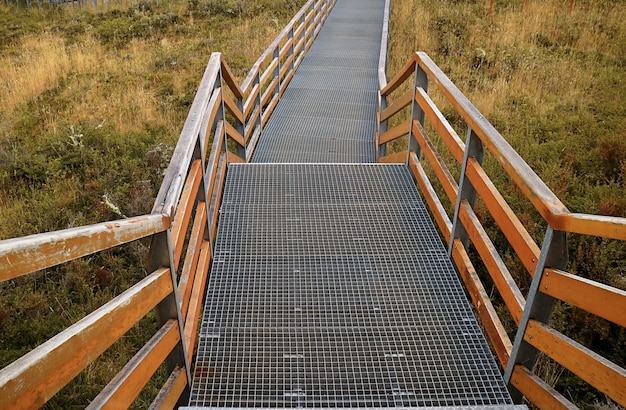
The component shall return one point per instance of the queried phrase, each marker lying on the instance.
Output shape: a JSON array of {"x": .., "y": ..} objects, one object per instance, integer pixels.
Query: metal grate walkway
[
  {"x": 328, "y": 112},
  {"x": 331, "y": 288}
]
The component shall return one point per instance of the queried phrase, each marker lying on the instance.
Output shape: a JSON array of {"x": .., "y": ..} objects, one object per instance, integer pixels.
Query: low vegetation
[
  {"x": 92, "y": 102},
  {"x": 552, "y": 81},
  {"x": 91, "y": 106}
]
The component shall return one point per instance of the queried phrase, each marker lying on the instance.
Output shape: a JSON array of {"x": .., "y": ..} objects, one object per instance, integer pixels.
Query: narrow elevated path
[
  {"x": 328, "y": 112},
  {"x": 330, "y": 286}
]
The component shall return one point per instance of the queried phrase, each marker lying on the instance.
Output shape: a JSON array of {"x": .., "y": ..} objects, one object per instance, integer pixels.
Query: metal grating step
[{"x": 330, "y": 288}]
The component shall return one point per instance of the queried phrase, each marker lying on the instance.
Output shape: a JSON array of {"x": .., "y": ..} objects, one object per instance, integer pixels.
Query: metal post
[
  {"x": 276, "y": 55},
  {"x": 417, "y": 113},
  {"x": 383, "y": 126},
  {"x": 162, "y": 255},
  {"x": 302, "y": 33},
  {"x": 538, "y": 306},
  {"x": 473, "y": 149},
  {"x": 291, "y": 49}
]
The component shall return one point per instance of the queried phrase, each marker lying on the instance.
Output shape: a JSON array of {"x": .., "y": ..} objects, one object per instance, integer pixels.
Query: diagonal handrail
[
  {"x": 182, "y": 227},
  {"x": 547, "y": 266}
]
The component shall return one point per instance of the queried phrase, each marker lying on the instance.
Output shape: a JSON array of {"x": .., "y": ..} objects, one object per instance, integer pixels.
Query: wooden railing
[
  {"x": 461, "y": 227},
  {"x": 182, "y": 227}
]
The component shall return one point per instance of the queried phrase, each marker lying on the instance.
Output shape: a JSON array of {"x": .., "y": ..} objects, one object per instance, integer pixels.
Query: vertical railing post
[
  {"x": 221, "y": 113},
  {"x": 383, "y": 126},
  {"x": 417, "y": 113},
  {"x": 291, "y": 55},
  {"x": 538, "y": 306},
  {"x": 162, "y": 255},
  {"x": 302, "y": 34},
  {"x": 473, "y": 149},
  {"x": 276, "y": 55}
]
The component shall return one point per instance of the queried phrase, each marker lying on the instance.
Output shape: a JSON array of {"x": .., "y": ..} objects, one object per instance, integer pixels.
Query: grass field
[
  {"x": 553, "y": 82},
  {"x": 92, "y": 103}
]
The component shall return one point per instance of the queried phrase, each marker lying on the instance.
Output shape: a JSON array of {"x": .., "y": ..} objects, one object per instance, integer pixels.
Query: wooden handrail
[
  {"x": 27, "y": 382},
  {"x": 544, "y": 200},
  {"x": 21, "y": 256},
  {"x": 191, "y": 191},
  {"x": 604, "y": 375},
  {"x": 601, "y": 300},
  {"x": 604, "y": 301}
]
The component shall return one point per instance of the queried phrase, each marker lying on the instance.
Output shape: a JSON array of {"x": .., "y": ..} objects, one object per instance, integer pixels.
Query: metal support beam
[
  {"x": 417, "y": 113},
  {"x": 474, "y": 149},
  {"x": 538, "y": 305}
]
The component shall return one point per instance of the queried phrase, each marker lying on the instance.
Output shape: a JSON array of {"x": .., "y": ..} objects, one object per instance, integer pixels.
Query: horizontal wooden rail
[
  {"x": 28, "y": 382},
  {"x": 523, "y": 176},
  {"x": 607, "y": 377},
  {"x": 128, "y": 383},
  {"x": 170, "y": 190},
  {"x": 510, "y": 225},
  {"x": 539, "y": 391},
  {"x": 191, "y": 259},
  {"x": 601, "y": 300},
  {"x": 21, "y": 256},
  {"x": 436, "y": 162},
  {"x": 489, "y": 317},
  {"x": 498, "y": 271},
  {"x": 596, "y": 225},
  {"x": 181, "y": 220},
  {"x": 434, "y": 204},
  {"x": 171, "y": 391},
  {"x": 441, "y": 125}
]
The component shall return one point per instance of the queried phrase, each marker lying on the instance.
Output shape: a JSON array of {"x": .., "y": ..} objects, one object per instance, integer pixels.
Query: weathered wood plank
[
  {"x": 523, "y": 176},
  {"x": 214, "y": 105},
  {"x": 601, "y": 300},
  {"x": 232, "y": 108},
  {"x": 26, "y": 383},
  {"x": 268, "y": 93},
  {"x": 269, "y": 72},
  {"x": 596, "y": 225},
  {"x": 269, "y": 110},
  {"x": 427, "y": 190},
  {"x": 252, "y": 124},
  {"x": 398, "y": 104},
  {"x": 538, "y": 391},
  {"x": 192, "y": 318},
  {"x": 440, "y": 123},
  {"x": 398, "y": 157},
  {"x": 183, "y": 212},
  {"x": 20, "y": 256},
  {"x": 489, "y": 317},
  {"x": 181, "y": 158},
  {"x": 489, "y": 255},
  {"x": 251, "y": 100},
  {"x": 212, "y": 164},
  {"x": 128, "y": 383},
  {"x": 171, "y": 391},
  {"x": 229, "y": 79},
  {"x": 216, "y": 197},
  {"x": 234, "y": 134},
  {"x": 404, "y": 73},
  {"x": 604, "y": 375},
  {"x": 191, "y": 258},
  {"x": 394, "y": 133},
  {"x": 510, "y": 225},
  {"x": 436, "y": 162}
]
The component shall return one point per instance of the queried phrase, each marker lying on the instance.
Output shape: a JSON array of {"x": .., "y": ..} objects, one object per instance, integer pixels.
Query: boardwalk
[{"x": 330, "y": 286}]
